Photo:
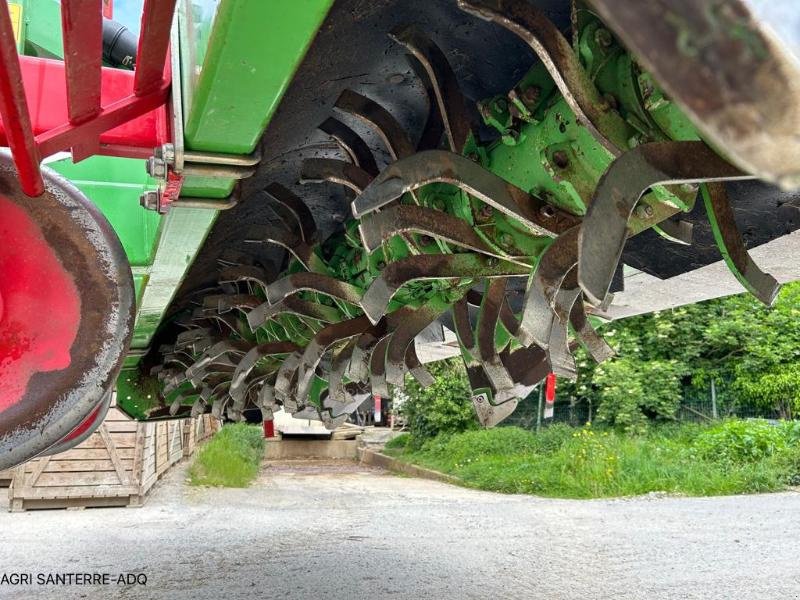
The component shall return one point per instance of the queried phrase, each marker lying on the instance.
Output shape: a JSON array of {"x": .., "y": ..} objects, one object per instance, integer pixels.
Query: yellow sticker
[{"x": 15, "y": 10}]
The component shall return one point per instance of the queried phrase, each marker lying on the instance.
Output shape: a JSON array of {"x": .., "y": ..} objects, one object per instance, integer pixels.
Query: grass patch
[
  {"x": 733, "y": 457},
  {"x": 231, "y": 459}
]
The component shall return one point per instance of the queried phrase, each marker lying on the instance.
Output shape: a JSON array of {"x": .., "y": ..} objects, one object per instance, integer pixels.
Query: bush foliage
[
  {"x": 231, "y": 459},
  {"x": 730, "y": 458},
  {"x": 444, "y": 407}
]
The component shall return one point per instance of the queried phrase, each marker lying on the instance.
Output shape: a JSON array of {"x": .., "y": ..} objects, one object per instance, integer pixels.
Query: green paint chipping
[{"x": 254, "y": 48}]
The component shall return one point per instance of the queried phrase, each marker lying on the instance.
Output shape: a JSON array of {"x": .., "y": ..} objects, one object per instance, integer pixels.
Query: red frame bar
[
  {"x": 87, "y": 118},
  {"x": 153, "y": 43},
  {"x": 82, "y": 24},
  {"x": 14, "y": 112}
]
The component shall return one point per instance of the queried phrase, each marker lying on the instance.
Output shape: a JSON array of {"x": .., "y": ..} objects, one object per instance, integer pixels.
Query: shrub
[
  {"x": 592, "y": 462},
  {"x": 444, "y": 407},
  {"x": 231, "y": 459},
  {"x": 739, "y": 442},
  {"x": 634, "y": 392}
]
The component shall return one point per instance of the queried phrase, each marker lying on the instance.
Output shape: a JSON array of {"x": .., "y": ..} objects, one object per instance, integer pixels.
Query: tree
[{"x": 736, "y": 341}]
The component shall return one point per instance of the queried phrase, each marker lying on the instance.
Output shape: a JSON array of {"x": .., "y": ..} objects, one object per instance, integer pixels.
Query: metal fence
[{"x": 698, "y": 409}]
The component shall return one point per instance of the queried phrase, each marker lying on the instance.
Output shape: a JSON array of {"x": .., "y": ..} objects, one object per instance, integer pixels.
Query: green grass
[
  {"x": 231, "y": 459},
  {"x": 731, "y": 458}
]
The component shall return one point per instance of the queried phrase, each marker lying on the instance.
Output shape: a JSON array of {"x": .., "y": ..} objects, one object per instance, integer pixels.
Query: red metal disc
[{"x": 66, "y": 313}]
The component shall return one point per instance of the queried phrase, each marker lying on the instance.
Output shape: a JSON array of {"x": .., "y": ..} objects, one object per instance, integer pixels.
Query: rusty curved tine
[
  {"x": 462, "y": 323},
  {"x": 527, "y": 366},
  {"x": 198, "y": 408},
  {"x": 214, "y": 353},
  {"x": 225, "y": 303},
  {"x": 228, "y": 321},
  {"x": 284, "y": 380},
  {"x": 432, "y": 132},
  {"x": 508, "y": 318},
  {"x": 316, "y": 348},
  {"x": 244, "y": 273},
  {"x": 441, "y": 166},
  {"x": 452, "y": 107},
  {"x": 339, "y": 363},
  {"x": 320, "y": 170},
  {"x": 378, "y": 227},
  {"x": 605, "y": 226},
  {"x": 339, "y": 403},
  {"x": 557, "y": 260},
  {"x": 487, "y": 328},
  {"x": 294, "y": 209},
  {"x": 266, "y": 401},
  {"x": 430, "y": 266},
  {"x": 488, "y": 410},
  {"x": 313, "y": 282},
  {"x": 249, "y": 361},
  {"x": 182, "y": 359},
  {"x": 558, "y": 57},
  {"x": 286, "y": 240},
  {"x": 187, "y": 338},
  {"x": 238, "y": 404},
  {"x": 223, "y": 367},
  {"x": 592, "y": 341},
  {"x": 377, "y": 367},
  {"x": 559, "y": 353},
  {"x": 676, "y": 230},
  {"x": 358, "y": 369},
  {"x": 293, "y": 305},
  {"x": 405, "y": 325},
  {"x": 723, "y": 224},
  {"x": 415, "y": 367},
  {"x": 396, "y": 139},
  {"x": 219, "y": 399},
  {"x": 356, "y": 148},
  {"x": 715, "y": 86}
]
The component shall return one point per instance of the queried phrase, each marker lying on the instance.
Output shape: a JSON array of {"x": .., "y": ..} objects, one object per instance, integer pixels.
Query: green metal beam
[{"x": 253, "y": 50}]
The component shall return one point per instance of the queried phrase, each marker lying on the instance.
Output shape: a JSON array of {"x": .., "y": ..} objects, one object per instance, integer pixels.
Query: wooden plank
[
  {"x": 77, "y": 466},
  {"x": 33, "y": 478},
  {"x": 112, "y": 451},
  {"x": 121, "y": 426},
  {"x": 80, "y": 453},
  {"x": 122, "y": 440},
  {"x": 138, "y": 453},
  {"x": 79, "y": 491},
  {"x": 85, "y": 479}
]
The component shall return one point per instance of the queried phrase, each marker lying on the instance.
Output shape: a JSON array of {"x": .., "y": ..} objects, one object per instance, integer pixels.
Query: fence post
[
  {"x": 539, "y": 409},
  {"x": 714, "y": 413}
]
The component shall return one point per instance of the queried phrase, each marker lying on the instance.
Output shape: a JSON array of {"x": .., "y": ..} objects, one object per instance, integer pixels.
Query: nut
[{"x": 149, "y": 200}]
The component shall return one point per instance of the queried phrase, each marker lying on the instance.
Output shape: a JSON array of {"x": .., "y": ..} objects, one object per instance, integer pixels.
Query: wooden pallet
[
  {"x": 116, "y": 466},
  {"x": 6, "y": 477}
]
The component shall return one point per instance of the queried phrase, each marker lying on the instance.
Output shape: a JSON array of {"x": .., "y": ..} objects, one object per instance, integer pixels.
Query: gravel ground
[{"x": 316, "y": 530}]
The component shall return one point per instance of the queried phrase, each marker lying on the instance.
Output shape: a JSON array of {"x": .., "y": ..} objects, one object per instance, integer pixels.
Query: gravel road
[{"x": 315, "y": 530}]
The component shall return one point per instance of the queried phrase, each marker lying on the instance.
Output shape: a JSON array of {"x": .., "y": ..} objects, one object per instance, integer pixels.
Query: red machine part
[
  {"x": 86, "y": 113},
  {"x": 67, "y": 305},
  {"x": 550, "y": 388},
  {"x": 30, "y": 344}
]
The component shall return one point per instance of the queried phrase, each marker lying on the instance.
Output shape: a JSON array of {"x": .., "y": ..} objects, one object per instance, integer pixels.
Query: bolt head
[
  {"x": 560, "y": 159},
  {"x": 530, "y": 95},
  {"x": 603, "y": 38},
  {"x": 149, "y": 200},
  {"x": 156, "y": 167},
  {"x": 547, "y": 211}
]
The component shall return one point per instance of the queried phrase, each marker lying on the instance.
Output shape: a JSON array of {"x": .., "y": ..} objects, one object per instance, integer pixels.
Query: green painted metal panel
[
  {"x": 253, "y": 50},
  {"x": 114, "y": 186},
  {"x": 43, "y": 28},
  {"x": 182, "y": 234},
  {"x": 207, "y": 187}
]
